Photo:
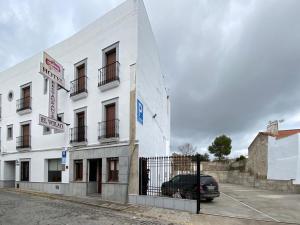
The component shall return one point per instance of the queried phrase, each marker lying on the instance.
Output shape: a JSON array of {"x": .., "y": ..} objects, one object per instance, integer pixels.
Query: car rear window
[{"x": 206, "y": 179}]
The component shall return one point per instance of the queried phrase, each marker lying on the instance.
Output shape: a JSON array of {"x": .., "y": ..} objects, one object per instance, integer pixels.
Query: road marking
[{"x": 250, "y": 207}]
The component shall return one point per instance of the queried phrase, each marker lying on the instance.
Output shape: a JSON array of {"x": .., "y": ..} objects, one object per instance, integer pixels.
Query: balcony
[
  {"x": 24, "y": 105},
  {"x": 109, "y": 76},
  {"x": 24, "y": 142},
  {"x": 109, "y": 130},
  {"x": 78, "y": 88},
  {"x": 78, "y": 135}
]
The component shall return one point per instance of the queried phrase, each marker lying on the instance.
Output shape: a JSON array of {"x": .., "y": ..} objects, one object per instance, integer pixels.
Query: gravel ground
[{"x": 20, "y": 208}]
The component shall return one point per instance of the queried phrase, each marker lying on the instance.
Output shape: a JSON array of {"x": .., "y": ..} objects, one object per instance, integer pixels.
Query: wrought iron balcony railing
[
  {"x": 24, "y": 103},
  {"x": 78, "y": 134},
  {"x": 109, "y": 129},
  {"x": 23, "y": 141},
  {"x": 109, "y": 73},
  {"x": 78, "y": 86}
]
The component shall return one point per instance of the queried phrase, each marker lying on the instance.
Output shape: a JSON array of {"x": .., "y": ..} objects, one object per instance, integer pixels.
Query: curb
[{"x": 105, "y": 204}]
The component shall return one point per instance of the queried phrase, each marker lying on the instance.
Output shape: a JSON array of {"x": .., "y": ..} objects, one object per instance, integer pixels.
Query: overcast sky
[{"x": 231, "y": 66}]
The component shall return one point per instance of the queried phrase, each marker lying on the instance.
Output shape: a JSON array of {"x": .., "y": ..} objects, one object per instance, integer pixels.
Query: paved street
[
  {"x": 247, "y": 202},
  {"x": 20, "y": 208},
  {"x": 235, "y": 201}
]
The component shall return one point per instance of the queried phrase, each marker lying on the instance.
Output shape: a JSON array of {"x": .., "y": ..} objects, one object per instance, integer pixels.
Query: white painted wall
[
  {"x": 38, "y": 168},
  {"x": 118, "y": 25},
  {"x": 154, "y": 134},
  {"x": 135, "y": 39},
  {"x": 283, "y": 158}
]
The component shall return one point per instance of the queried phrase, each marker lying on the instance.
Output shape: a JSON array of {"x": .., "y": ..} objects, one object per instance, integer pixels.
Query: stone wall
[
  {"x": 212, "y": 166},
  {"x": 236, "y": 173},
  {"x": 258, "y": 157}
]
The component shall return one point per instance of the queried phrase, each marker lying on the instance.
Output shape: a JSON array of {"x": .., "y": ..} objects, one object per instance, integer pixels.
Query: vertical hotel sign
[{"x": 54, "y": 71}]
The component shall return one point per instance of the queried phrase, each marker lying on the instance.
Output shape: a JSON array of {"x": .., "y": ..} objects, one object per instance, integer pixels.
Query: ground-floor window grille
[
  {"x": 54, "y": 170},
  {"x": 113, "y": 169},
  {"x": 78, "y": 170},
  {"x": 25, "y": 171}
]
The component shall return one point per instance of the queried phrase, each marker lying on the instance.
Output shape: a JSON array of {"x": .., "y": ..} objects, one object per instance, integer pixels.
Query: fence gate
[{"x": 175, "y": 177}]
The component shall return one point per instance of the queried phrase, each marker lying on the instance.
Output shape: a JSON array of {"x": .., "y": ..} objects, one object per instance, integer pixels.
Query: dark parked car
[{"x": 185, "y": 185}]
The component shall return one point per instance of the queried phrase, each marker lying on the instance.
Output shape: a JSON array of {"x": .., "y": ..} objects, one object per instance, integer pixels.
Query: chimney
[{"x": 272, "y": 127}]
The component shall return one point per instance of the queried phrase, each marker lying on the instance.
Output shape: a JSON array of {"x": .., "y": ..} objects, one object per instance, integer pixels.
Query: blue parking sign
[{"x": 140, "y": 112}]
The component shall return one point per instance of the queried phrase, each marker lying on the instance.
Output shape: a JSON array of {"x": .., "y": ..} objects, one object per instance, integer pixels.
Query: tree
[
  {"x": 204, "y": 157},
  {"x": 220, "y": 147},
  {"x": 187, "y": 149},
  {"x": 240, "y": 158}
]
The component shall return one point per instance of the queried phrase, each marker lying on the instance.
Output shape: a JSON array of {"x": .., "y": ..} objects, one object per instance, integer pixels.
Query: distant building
[
  {"x": 117, "y": 110},
  {"x": 275, "y": 155}
]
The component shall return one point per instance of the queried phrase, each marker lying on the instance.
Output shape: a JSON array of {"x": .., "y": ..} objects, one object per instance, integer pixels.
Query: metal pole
[
  {"x": 140, "y": 176},
  {"x": 198, "y": 184}
]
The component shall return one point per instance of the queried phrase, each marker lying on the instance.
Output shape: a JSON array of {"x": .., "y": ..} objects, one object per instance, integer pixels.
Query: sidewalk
[{"x": 172, "y": 216}]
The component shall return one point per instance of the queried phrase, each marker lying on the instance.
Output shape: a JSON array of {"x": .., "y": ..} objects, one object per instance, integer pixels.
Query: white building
[
  {"x": 109, "y": 67},
  {"x": 284, "y": 156}
]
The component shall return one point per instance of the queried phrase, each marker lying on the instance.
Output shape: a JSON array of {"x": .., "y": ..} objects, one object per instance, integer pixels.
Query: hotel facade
[{"x": 115, "y": 109}]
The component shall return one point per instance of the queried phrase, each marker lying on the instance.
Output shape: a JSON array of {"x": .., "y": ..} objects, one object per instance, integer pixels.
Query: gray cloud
[{"x": 230, "y": 65}]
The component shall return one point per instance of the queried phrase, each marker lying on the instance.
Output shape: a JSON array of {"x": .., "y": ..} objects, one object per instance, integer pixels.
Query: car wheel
[{"x": 209, "y": 199}]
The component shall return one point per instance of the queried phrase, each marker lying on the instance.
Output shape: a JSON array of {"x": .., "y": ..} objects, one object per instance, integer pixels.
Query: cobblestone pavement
[{"x": 21, "y": 208}]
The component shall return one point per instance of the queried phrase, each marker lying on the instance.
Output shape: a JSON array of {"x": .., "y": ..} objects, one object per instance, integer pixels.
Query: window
[
  {"x": 110, "y": 115},
  {"x": 54, "y": 170},
  {"x": 78, "y": 169},
  {"x": 9, "y": 132},
  {"x": 109, "y": 127},
  {"x": 110, "y": 55},
  {"x": 81, "y": 77},
  {"x": 110, "y": 65},
  {"x": 25, "y": 101},
  {"x": 24, "y": 140},
  {"x": 113, "y": 169},
  {"x": 80, "y": 130},
  {"x": 79, "y": 84},
  {"x": 60, "y": 117},
  {"x": 25, "y": 171}
]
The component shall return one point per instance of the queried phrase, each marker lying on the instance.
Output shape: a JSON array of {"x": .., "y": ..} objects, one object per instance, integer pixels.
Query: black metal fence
[
  {"x": 23, "y": 141},
  {"x": 78, "y": 134},
  {"x": 109, "y": 73},
  {"x": 174, "y": 176},
  {"x": 78, "y": 86},
  {"x": 109, "y": 129},
  {"x": 24, "y": 103}
]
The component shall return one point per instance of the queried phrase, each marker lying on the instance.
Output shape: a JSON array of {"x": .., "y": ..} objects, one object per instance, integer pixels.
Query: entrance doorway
[
  {"x": 9, "y": 173},
  {"x": 95, "y": 176}
]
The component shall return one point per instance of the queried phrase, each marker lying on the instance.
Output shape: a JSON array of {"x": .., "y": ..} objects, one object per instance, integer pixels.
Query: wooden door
[
  {"x": 26, "y": 97},
  {"x": 99, "y": 176},
  {"x": 81, "y": 126},
  {"x": 25, "y": 171},
  {"x": 81, "y": 78},
  {"x": 25, "y": 135},
  {"x": 110, "y": 120},
  {"x": 111, "y": 65}
]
